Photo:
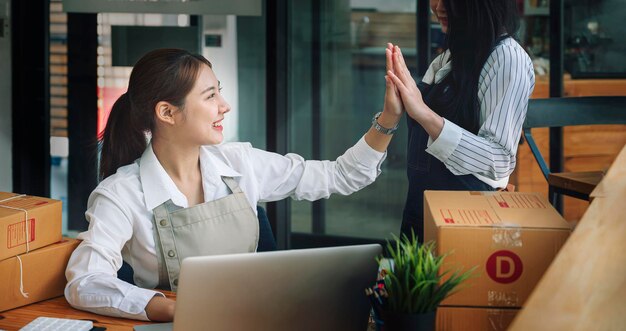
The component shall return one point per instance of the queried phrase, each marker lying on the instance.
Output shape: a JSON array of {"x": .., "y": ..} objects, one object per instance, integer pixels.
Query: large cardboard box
[
  {"x": 474, "y": 319},
  {"x": 511, "y": 237},
  {"x": 43, "y": 226},
  {"x": 43, "y": 274}
]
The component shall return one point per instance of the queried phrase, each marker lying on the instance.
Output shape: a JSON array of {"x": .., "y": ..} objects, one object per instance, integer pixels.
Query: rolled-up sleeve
[
  {"x": 292, "y": 176},
  {"x": 92, "y": 269}
]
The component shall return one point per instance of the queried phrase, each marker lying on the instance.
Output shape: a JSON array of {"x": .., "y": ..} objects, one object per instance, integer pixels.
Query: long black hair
[
  {"x": 475, "y": 27},
  {"x": 161, "y": 75}
]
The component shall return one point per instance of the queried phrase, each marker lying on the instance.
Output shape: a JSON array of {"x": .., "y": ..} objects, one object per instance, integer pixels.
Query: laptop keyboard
[{"x": 60, "y": 324}]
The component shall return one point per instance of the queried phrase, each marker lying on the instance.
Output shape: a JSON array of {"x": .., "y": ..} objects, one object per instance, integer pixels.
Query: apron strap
[
  {"x": 232, "y": 184},
  {"x": 165, "y": 245}
]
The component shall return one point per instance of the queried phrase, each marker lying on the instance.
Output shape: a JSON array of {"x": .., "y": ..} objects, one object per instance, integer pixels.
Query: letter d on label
[
  {"x": 504, "y": 263},
  {"x": 504, "y": 267}
]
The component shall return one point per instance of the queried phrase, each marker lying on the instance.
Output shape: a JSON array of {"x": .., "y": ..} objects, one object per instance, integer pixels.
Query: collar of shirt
[
  {"x": 438, "y": 69},
  {"x": 158, "y": 187}
]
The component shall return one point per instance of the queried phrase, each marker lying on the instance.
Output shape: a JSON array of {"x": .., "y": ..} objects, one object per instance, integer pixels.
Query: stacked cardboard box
[
  {"x": 511, "y": 237},
  {"x": 33, "y": 255}
]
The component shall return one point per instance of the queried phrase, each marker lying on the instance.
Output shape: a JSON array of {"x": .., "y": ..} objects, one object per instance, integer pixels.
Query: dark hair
[
  {"x": 161, "y": 75},
  {"x": 475, "y": 27}
]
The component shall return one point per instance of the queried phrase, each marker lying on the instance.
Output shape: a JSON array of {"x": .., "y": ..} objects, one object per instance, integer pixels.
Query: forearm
[
  {"x": 466, "y": 153},
  {"x": 89, "y": 294},
  {"x": 380, "y": 141},
  {"x": 430, "y": 121},
  {"x": 160, "y": 309}
]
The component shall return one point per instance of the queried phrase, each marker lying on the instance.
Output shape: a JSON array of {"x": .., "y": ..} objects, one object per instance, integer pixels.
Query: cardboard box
[
  {"x": 511, "y": 237},
  {"x": 43, "y": 274},
  {"x": 474, "y": 319},
  {"x": 44, "y": 223}
]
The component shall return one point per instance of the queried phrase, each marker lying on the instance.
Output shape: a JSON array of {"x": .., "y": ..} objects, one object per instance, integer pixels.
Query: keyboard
[{"x": 60, "y": 324}]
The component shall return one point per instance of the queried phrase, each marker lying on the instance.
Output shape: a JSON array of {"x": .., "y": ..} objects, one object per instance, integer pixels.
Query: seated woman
[{"x": 185, "y": 194}]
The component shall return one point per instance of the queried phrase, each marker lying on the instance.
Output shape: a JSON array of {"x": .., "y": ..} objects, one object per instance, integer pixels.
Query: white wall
[
  {"x": 6, "y": 156},
  {"x": 224, "y": 61}
]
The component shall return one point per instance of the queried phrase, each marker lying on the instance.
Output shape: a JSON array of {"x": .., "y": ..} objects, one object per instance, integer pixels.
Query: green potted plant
[{"x": 409, "y": 291}]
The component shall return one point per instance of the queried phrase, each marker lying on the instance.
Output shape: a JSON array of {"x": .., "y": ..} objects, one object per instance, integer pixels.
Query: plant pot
[{"x": 409, "y": 322}]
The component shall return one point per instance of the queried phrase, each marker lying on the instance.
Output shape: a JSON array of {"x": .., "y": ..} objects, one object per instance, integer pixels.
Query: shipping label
[
  {"x": 519, "y": 201},
  {"x": 16, "y": 233},
  {"x": 468, "y": 216}
]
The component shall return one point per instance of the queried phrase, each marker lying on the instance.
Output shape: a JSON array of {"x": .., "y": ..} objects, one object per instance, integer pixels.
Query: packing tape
[
  {"x": 26, "y": 220},
  {"x": 499, "y": 319},
  {"x": 507, "y": 235},
  {"x": 502, "y": 299}
]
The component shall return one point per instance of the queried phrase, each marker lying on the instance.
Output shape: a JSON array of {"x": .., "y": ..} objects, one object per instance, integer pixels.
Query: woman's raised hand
[
  {"x": 406, "y": 86},
  {"x": 412, "y": 97},
  {"x": 393, "y": 103}
]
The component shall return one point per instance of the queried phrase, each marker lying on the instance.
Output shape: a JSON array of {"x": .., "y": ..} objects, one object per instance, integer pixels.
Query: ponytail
[{"x": 123, "y": 140}]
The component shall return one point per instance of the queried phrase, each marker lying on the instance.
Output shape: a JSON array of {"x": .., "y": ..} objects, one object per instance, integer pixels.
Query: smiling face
[
  {"x": 200, "y": 122},
  {"x": 437, "y": 7}
]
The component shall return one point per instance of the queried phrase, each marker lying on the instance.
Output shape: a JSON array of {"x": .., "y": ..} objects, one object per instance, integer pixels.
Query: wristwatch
[{"x": 380, "y": 128}]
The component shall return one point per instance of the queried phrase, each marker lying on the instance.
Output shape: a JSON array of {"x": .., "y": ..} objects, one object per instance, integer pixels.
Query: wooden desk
[
  {"x": 585, "y": 287},
  {"x": 582, "y": 182},
  {"x": 16, "y": 318}
]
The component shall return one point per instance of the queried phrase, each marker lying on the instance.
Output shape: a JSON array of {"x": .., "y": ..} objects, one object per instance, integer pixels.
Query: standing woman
[
  {"x": 466, "y": 115},
  {"x": 185, "y": 194}
]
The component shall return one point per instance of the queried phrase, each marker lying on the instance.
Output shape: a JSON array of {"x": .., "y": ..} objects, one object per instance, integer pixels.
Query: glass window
[
  {"x": 59, "y": 144},
  {"x": 236, "y": 50},
  {"x": 534, "y": 35},
  {"x": 594, "y": 64},
  {"x": 336, "y": 75},
  {"x": 595, "y": 45}
]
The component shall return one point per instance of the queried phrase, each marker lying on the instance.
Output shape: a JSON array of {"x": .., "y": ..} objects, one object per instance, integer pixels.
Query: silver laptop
[{"x": 305, "y": 289}]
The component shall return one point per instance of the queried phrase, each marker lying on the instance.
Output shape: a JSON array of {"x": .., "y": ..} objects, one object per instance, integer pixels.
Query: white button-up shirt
[{"x": 120, "y": 213}]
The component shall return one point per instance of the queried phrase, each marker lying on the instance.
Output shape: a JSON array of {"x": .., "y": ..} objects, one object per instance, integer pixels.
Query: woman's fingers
[
  {"x": 400, "y": 59},
  {"x": 400, "y": 56},
  {"x": 390, "y": 85},
  {"x": 389, "y": 62},
  {"x": 399, "y": 68},
  {"x": 397, "y": 82},
  {"x": 399, "y": 75},
  {"x": 406, "y": 68},
  {"x": 389, "y": 57}
]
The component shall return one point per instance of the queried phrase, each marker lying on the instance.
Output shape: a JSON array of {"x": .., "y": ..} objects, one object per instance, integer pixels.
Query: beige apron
[{"x": 223, "y": 226}]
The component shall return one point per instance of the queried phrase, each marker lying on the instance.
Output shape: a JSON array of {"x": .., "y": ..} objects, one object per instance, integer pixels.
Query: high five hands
[
  {"x": 393, "y": 101},
  {"x": 402, "y": 92}
]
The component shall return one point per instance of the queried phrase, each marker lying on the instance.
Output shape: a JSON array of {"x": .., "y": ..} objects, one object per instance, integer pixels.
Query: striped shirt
[{"x": 504, "y": 87}]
